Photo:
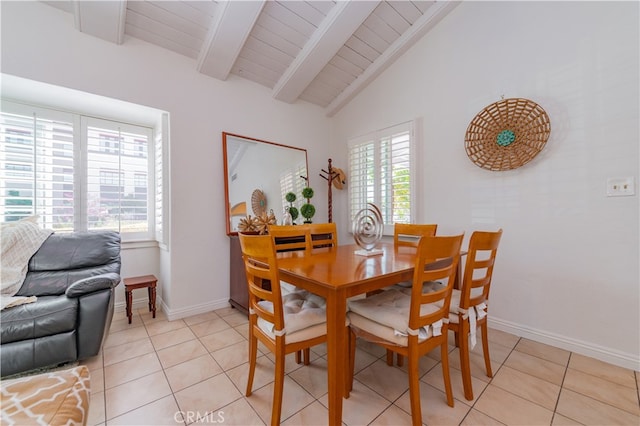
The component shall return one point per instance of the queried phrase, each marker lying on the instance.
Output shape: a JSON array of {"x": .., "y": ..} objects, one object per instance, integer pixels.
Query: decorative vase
[{"x": 286, "y": 217}]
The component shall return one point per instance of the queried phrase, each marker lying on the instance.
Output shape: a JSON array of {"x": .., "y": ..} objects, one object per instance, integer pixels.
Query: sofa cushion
[
  {"x": 77, "y": 250},
  {"x": 25, "y": 355},
  {"x": 49, "y": 315},
  {"x": 66, "y": 258}
]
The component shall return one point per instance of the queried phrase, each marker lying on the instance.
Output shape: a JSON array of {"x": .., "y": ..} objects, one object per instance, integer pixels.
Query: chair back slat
[
  {"x": 323, "y": 234},
  {"x": 408, "y": 234},
  {"x": 259, "y": 255},
  {"x": 478, "y": 270},
  {"x": 427, "y": 308},
  {"x": 290, "y": 237}
]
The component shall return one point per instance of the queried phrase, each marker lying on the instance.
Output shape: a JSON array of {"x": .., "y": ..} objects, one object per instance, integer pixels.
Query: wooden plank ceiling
[{"x": 323, "y": 52}]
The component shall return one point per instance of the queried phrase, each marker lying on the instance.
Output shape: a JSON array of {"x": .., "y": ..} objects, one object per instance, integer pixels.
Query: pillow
[
  {"x": 19, "y": 240},
  {"x": 54, "y": 398}
]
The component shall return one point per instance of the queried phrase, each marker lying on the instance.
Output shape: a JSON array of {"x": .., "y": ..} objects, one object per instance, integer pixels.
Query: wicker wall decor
[
  {"x": 258, "y": 202},
  {"x": 507, "y": 134}
]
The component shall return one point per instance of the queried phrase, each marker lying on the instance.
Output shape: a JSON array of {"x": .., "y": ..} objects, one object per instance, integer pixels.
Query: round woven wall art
[
  {"x": 507, "y": 134},
  {"x": 258, "y": 202}
]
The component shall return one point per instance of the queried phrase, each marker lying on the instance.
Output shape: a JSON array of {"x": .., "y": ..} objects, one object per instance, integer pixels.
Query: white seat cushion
[
  {"x": 427, "y": 286},
  {"x": 286, "y": 288},
  {"x": 385, "y": 333},
  {"x": 455, "y": 304},
  {"x": 404, "y": 284},
  {"x": 473, "y": 314},
  {"x": 386, "y": 315},
  {"x": 305, "y": 316}
]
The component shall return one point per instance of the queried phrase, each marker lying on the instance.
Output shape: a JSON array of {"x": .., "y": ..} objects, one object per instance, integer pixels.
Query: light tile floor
[{"x": 193, "y": 370}]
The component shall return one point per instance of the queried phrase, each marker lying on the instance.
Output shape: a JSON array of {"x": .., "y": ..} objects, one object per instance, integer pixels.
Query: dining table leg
[{"x": 336, "y": 353}]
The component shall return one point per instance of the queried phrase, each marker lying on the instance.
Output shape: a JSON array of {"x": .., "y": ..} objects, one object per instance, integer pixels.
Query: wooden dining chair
[
  {"x": 323, "y": 234},
  {"x": 283, "y": 323},
  {"x": 290, "y": 237},
  {"x": 468, "y": 307},
  {"x": 411, "y": 324},
  {"x": 407, "y": 235}
]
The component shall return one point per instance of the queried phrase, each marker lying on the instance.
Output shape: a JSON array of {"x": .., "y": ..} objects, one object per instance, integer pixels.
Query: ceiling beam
[
  {"x": 102, "y": 19},
  {"x": 334, "y": 30},
  {"x": 431, "y": 17},
  {"x": 229, "y": 30}
]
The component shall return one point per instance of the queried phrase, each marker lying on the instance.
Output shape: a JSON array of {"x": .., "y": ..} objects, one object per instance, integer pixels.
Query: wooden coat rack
[{"x": 329, "y": 175}]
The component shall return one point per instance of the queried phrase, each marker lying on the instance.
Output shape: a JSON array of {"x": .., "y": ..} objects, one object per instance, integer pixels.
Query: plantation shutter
[
  {"x": 159, "y": 188},
  {"x": 37, "y": 166},
  {"x": 118, "y": 181},
  {"x": 380, "y": 172}
]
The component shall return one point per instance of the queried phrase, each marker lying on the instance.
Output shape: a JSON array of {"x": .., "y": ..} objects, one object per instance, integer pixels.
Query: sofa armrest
[{"x": 91, "y": 284}]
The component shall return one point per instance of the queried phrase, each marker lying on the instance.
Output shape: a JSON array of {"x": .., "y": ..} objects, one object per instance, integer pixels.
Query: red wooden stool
[{"x": 146, "y": 281}]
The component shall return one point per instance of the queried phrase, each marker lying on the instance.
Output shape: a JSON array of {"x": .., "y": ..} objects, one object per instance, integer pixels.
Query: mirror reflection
[{"x": 257, "y": 175}]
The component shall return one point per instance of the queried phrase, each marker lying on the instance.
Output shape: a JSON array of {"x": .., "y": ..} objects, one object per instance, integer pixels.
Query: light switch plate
[{"x": 620, "y": 186}]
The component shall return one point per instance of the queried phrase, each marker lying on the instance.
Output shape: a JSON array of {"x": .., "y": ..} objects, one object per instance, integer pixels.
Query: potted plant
[
  {"x": 307, "y": 210},
  {"x": 293, "y": 210}
]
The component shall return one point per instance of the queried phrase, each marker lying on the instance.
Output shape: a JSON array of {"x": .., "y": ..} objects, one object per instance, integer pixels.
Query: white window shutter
[
  {"x": 381, "y": 172},
  {"x": 36, "y": 167}
]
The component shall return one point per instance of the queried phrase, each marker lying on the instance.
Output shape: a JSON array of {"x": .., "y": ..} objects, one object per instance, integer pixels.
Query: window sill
[{"x": 130, "y": 245}]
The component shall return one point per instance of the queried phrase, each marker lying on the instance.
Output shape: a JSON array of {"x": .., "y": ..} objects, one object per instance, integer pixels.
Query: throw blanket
[{"x": 20, "y": 240}]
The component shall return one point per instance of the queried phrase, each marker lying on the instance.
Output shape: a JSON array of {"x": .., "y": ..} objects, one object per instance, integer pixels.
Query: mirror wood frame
[{"x": 227, "y": 138}]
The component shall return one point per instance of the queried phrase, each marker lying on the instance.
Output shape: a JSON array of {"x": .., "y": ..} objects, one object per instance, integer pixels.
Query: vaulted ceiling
[{"x": 323, "y": 52}]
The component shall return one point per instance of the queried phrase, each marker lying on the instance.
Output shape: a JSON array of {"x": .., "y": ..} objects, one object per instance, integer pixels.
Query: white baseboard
[
  {"x": 608, "y": 355},
  {"x": 174, "y": 314},
  {"x": 121, "y": 307},
  {"x": 137, "y": 304}
]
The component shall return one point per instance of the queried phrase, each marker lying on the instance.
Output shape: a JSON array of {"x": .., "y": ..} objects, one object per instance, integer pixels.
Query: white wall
[
  {"x": 567, "y": 271},
  {"x": 39, "y": 42}
]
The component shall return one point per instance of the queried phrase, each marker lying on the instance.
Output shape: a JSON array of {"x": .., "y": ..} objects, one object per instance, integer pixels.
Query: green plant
[
  {"x": 293, "y": 211},
  {"x": 307, "y": 193},
  {"x": 307, "y": 210}
]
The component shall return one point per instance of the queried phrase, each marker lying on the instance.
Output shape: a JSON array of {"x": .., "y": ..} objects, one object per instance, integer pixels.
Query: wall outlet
[{"x": 620, "y": 186}]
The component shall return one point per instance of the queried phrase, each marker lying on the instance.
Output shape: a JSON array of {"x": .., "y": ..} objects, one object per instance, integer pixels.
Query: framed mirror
[{"x": 257, "y": 176}]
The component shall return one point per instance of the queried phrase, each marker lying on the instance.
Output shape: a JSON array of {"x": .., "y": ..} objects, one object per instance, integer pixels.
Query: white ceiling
[{"x": 323, "y": 52}]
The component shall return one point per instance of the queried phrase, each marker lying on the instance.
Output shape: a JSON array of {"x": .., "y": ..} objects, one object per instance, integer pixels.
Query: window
[
  {"x": 292, "y": 180},
  {"x": 381, "y": 172},
  {"x": 76, "y": 172}
]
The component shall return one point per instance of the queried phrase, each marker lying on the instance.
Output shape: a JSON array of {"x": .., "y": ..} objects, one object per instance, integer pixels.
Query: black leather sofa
[{"x": 74, "y": 277}]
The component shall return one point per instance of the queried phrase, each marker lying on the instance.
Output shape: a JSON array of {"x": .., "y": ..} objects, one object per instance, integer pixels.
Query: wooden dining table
[{"x": 338, "y": 273}]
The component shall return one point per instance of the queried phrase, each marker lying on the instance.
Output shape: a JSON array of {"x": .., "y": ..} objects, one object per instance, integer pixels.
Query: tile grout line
[
  {"x": 164, "y": 372},
  {"x": 224, "y": 371},
  {"x": 490, "y": 381},
  {"x": 555, "y": 408},
  {"x": 155, "y": 352}
]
